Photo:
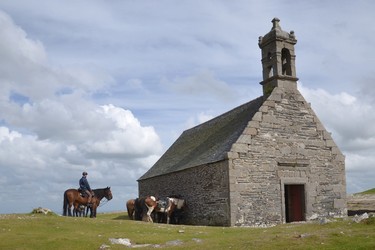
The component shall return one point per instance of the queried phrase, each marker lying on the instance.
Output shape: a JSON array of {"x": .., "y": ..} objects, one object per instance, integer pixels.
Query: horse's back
[
  {"x": 71, "y": 190},
  {"x": 71, "y": 194},
  {"x": 130, "y": 203}
]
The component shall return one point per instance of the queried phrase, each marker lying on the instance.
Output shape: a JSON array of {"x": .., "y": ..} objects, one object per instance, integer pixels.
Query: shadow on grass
[{"x": 121, "y": 217}]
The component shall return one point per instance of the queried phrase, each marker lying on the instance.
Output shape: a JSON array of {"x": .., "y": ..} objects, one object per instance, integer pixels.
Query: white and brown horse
[
  {"x": 143, "y": 208},
  {"x": 169, "y": 209}
]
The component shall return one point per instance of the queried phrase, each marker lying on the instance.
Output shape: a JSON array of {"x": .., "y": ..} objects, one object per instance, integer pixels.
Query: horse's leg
[
  {"x": 149, "y": 218},
  {"x": 171, "y": 208},
  {"x": 70, "y": 208},
  {"x": 130, "y": 206},
  {"x": 93, "y": 211},
  {"x": 170, "y": 215},
  {"x": 131, "y": 214},
  {"x": 75, "y": 209}
]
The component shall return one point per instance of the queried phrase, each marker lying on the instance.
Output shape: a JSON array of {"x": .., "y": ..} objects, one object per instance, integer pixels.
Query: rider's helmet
[{"x": 84, "y": 173}]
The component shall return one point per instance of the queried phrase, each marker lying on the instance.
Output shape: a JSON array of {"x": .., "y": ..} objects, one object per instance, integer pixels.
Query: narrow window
[{"x": 270, "y": 71}]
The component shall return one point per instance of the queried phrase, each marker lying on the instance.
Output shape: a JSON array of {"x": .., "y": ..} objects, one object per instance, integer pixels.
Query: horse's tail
[{"x": 65, "y": 207}]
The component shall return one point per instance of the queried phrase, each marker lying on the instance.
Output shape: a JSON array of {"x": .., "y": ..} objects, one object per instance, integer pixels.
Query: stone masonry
[{"x": 205, "y": 189}]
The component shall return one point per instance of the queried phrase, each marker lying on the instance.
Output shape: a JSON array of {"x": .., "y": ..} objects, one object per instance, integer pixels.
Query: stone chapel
[{"x": 266, "y": 162}]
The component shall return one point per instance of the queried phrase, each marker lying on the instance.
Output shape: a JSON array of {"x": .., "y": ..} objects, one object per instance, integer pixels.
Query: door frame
[{"x": 295, "y": 181}]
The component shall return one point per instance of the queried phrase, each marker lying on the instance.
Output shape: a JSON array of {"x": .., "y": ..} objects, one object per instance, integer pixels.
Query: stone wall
[
  {"x": 285, "y": 143},
  {"x": 205, "y": 189},
  {"x": 361, "y": 203}
]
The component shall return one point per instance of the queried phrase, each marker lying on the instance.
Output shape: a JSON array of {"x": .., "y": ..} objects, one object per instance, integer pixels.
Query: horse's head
[
  {"x": 151, "y": 201},
  {"x": 108, "y": 193}
]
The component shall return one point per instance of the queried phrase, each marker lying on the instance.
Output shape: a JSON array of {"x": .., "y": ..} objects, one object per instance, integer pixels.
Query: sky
[{"x": 106, "y": 86}]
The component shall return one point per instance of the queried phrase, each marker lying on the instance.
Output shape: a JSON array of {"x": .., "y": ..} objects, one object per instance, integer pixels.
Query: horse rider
[{"x": 85, "y": 187}]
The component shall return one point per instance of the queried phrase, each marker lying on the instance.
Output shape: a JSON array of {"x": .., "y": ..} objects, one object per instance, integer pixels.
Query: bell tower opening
[
  {"x": 270, "y": 71},
  {"x": 285, "y": 58},
  {"x": 278, "y": 59}
]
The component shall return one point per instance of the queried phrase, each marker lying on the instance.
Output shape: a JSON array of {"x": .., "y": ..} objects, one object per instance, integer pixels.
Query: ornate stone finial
[
  {"x": 291, "y": 34},
  {"x": 275, "y": 22}
]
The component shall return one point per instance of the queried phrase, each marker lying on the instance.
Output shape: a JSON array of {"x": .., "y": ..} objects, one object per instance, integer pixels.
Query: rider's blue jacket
[{"x": 84, "y": 184}]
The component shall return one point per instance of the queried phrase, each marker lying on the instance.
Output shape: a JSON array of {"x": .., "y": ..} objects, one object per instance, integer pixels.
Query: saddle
[
  {"x": 163, "y": 204},
  {"x": 82, "y": 193}
]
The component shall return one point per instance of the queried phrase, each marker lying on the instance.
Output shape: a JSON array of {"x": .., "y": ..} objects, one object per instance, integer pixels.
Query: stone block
[
  {"x": 254, "y": 124},
  {"x": 276, "y": 97},
  {"x": 270, "y": 119},
  {"x": 240, "y": 147},
  {"x": 263, "y": 109},
  {"x": 327, "y": 135},
  {"x": 232, "y": 155},
  {"x": 244, "y": 139},
  {"x": 251, "y": 131},
  {"x": 269, "y": 103},
  {"x": 257, "y": 116},
  {"x": 330, "y": 143},
  {"x": 339, "y": 203}
]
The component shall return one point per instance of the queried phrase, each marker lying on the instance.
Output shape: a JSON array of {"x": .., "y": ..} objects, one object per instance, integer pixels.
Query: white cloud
[{"x": 129, "y": 139}]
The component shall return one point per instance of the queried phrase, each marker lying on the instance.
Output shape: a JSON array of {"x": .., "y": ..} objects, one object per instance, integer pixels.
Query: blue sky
[{"x": 107, "y": 86}]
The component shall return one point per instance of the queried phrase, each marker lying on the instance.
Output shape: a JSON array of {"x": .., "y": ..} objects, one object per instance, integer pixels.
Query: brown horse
[
  {"x": 72, "y": 197},
  {"x": 143, "y": 208},
  {"x": 170, "y": 208},
  {"x": 130, "y": 206}
]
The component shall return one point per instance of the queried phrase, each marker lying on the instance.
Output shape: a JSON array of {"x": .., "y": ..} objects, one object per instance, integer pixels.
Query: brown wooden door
[{"x": 295, "y": 202}]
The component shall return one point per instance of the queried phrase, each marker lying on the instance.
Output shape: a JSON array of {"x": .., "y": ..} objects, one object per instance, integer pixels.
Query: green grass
[
  {"x": 370, "y": 191},
  {"x": 39, "y": 231}
]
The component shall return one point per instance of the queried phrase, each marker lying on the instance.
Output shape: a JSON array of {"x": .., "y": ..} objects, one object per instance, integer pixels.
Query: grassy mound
[{"x": 370, "y": 191}]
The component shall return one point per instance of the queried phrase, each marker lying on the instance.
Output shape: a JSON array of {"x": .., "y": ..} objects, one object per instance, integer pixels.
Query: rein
[
  {"x": 103, "y": 203},
  {"x": 100, "y": 194}
]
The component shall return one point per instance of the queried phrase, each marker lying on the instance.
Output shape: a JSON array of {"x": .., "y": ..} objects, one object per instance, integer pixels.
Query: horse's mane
[{"x": 100, "y": 192}]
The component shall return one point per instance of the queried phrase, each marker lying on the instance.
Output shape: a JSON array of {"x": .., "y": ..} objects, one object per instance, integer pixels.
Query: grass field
[
  {"x": 370, "y": 191},
  {"x": 39, "y": 231}
]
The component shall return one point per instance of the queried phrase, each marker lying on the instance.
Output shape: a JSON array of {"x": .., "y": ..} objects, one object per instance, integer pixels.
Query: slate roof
[{"x": 206, "y": 143}]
